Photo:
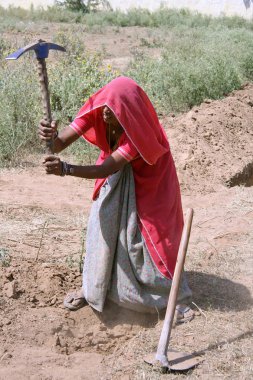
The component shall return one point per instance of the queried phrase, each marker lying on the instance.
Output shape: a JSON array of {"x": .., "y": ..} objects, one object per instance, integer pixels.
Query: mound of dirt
[
  {"x": 213, "y": 143},
  {"x": 37, "y": 290}
]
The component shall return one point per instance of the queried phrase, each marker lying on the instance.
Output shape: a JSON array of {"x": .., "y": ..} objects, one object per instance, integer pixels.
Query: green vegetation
[
  {"x": 200, "y": 57},
  {"x": 74, "y": 5},
  {"x": 195, "y": 65},
  {"x": 5, "y": 258},
  {"x": 72, "y": 79},
  {"x": 73, "y": 12}
]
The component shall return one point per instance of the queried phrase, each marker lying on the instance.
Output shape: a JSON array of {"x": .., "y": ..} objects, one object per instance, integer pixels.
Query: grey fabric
[{"x": 117, "y": 263}]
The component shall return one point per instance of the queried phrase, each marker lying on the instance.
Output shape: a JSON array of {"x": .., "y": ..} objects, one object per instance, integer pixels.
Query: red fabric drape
[{"x": 158, "y": 199}]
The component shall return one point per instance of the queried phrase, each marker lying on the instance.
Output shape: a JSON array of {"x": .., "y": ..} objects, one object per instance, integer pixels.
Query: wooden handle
[
  {"x": 42, "y": 69},
  {"x": 162, "y": 349}
]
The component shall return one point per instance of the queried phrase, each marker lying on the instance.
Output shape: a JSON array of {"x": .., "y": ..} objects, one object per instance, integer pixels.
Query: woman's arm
[
  {"x": 112, "y": 164},
  {"x": 66, "y": 137}
]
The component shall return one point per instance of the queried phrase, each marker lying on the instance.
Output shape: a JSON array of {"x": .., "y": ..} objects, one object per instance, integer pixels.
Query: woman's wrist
[
  {"x": 67, "y": 169},
  {"x": 56, "y": 133}
]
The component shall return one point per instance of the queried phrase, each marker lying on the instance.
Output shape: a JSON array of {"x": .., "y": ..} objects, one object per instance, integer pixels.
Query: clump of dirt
[{"x": 213, "y": 143}]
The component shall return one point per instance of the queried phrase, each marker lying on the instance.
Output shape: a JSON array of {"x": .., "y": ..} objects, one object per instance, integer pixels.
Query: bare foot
[
  {"x": 74, "y": 300},
  {"x": 184, "y": 314}
]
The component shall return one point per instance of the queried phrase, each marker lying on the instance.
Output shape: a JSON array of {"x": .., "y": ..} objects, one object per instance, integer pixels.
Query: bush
[
  {"x": 76, "y": 11},
  {"x": 74, "y": 5},
  {"x": 19, "y": 110},
  {"x": 196, "y": 65}
]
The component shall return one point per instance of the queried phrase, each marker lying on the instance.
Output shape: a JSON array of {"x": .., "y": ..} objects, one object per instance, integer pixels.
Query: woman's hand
[
  {"x": 53, "y": 165},
  {"x": 47, "y": 132}
]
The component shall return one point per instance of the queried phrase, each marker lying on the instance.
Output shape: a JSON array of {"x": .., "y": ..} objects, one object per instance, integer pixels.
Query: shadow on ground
[{"x": 211, "y": 291}]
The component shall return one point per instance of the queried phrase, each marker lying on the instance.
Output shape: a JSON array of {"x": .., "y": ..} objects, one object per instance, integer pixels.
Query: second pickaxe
[{"x": 41, "y": 49}]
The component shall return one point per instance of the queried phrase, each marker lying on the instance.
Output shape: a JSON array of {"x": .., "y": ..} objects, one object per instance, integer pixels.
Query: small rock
[
  {"x": 57, "y": 340},
  {"x": 33, "y": 299},
  {"x": 99, "y": 338},
  {"x": 10, "y": 289},
  {"x": 102, "y": 328},
  {"x": 6, "y": 356},
  {"x": 9, "y": 274},
  {"x": 117, "y": 332},
  {"x": 5, "y": 322},
  {"x": 53, "y": 300}
]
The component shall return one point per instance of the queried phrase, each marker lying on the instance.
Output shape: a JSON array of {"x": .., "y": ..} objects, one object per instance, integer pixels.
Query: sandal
[
  {"x": 184, "y": 314},
  {"x": 74, "y": 301}
]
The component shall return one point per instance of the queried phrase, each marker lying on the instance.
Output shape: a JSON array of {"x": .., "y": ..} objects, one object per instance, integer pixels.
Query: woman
[{"x": 136, "y": 219}]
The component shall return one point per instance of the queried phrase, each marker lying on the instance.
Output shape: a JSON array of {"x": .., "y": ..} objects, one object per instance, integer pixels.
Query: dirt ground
[{"x": 43, "y": 224}]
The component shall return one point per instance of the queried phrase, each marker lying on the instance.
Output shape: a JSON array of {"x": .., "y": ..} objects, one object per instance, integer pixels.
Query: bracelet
[
  {"x": 55, "y": 135},
  {"x": 66, "y": 169}
]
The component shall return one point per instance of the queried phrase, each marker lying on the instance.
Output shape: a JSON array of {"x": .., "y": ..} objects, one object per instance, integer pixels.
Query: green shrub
[
  {"x": 196, "y": 65},
  {"x": 74, "y": 5},
  {"x": 5, "y": 258},
  {"x": 19, "y": 110},
  {"x": 75, "y": 12}
]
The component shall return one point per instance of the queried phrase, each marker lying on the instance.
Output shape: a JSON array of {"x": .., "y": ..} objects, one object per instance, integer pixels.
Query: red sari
[{"x": 158, "y": 199}]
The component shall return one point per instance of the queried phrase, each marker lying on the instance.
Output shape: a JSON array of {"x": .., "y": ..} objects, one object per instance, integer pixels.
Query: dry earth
[{"x": 42, "y": 236}]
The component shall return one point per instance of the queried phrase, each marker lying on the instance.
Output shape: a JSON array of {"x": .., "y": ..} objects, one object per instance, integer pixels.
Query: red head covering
[
  {"x": 135, "y": 113},
  {"x": 158, "y": 199}
]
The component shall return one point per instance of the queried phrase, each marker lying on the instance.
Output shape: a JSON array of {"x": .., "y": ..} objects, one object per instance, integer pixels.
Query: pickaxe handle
[
  {"x": 41, "y": 49},
  {"x": 42, "y": 69}
]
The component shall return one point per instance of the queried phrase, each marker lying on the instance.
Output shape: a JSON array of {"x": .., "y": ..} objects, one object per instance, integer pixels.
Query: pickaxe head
[{"x": 41, "y": 49}]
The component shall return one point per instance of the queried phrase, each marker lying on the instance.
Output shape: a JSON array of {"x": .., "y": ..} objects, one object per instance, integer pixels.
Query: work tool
[
  {"x": 41, "y": 49},
  {"x": 164, "y": 357}
]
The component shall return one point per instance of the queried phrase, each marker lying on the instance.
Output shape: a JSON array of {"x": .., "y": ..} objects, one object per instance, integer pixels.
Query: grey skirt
[{"x": 117, "y": 263}]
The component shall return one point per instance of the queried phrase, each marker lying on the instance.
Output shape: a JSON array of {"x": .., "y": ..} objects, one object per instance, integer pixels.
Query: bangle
[
  {"x": 66, "y": 169},
  {"x": 55, "y": 135}
]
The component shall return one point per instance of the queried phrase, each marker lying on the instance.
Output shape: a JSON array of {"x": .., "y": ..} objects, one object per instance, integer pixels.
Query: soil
[{"x": 43, "y": 224}]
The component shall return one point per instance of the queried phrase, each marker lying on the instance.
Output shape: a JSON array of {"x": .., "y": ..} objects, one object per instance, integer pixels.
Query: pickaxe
[{"x": 41, "y": 49}]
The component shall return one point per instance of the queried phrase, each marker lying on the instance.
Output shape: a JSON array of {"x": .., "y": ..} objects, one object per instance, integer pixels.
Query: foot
[
  {"x": 184, "y": 314},
  {"x": 74, "y": 300}
]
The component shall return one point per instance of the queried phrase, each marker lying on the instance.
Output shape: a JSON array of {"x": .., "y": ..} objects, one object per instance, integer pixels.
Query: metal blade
[{"x": 178, "y": 361}]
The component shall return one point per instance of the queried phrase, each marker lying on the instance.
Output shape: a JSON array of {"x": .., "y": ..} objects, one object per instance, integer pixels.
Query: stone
[
  {"x": 6, "y": 356},
  {"x": 53, "y": 300},
  {"x": 9, "y": 274},
  {"x": 10, "y": 289}
]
